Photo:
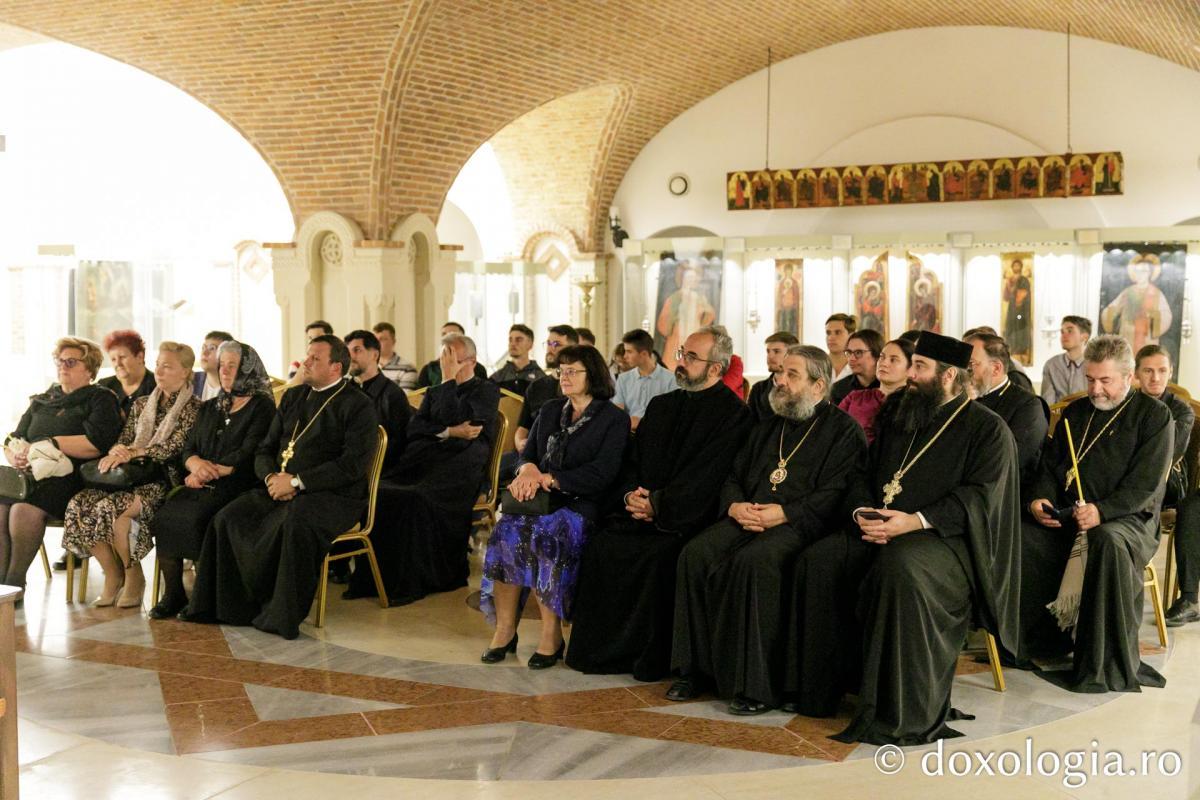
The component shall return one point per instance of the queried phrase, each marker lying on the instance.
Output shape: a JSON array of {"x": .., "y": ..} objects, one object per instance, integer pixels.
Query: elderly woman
[
  {"x": 76, "y": 418},
  {"x": 574, "y": 452},
  {"x": 891, "y": 370},
  {"x": 219, "y": 458},
  {"x": 99, "y": 522},
  {"x": 127, "y": 353}
]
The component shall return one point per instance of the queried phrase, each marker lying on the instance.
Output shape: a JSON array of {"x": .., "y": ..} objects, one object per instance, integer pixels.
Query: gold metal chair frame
[
  {"x": 487, "y": 503},
  {"x": 360, "y": 534}
]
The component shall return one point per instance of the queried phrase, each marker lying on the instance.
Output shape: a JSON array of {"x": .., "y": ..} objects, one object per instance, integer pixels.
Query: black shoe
[
  {"x": 745, "y": 707},
  {"x": 167, "y": 609},
  {"x": 1182, "y": 612},
  {"x": 540, "y": 661},
  {"x": 791, "y": 707},
  {"x": 355, "y": 594},
  {"x": 61, "y": 564},
  {"x": 494, "y": 655},
  {"x": 339, "y": 574},
  {"x": 192, "y": 616},
  {"x": 684, "y": 688}
]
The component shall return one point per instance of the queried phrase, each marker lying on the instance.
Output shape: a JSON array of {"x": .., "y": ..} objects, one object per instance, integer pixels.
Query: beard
[
  {"x": 1102, "y": 403},
  {"x": 688, "y": 383},
  {"x": 551, "y": 360},
  {"x": 795, "y": 407},
  {"x": 355, "y": 370},
  {"x": 918, "y": 404}
]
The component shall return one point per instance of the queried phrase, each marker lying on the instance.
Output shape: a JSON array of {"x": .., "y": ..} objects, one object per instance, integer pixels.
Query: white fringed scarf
[{"x": 146, "y": 434}]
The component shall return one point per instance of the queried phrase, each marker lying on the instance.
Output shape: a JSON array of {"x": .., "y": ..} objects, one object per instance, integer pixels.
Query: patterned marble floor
[{"x": 400, "y": 693}]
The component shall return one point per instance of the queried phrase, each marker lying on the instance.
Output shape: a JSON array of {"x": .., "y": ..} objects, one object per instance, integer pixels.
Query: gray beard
[
  {"x": 689, "y": 384},
  {"x": 797, "y": 408},
  {"x": 1108, "y": 405}
]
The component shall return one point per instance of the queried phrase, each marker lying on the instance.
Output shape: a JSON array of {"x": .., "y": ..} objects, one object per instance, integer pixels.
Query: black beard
[
  {"x": 918, "y": 405},
  {"x": 551, "y": 361}
]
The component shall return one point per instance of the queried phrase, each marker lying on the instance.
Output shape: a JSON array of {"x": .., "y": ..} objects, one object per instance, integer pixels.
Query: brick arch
[
  {"x": 554, "y": 159},
  {"x": 369, "y": 108},
  {"x": 554, "y": 233}
]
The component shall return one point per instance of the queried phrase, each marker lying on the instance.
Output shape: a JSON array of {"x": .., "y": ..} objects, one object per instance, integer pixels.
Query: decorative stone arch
[
  {"x": 425, "y": 285},
  {"x": 555, "y": 247}
]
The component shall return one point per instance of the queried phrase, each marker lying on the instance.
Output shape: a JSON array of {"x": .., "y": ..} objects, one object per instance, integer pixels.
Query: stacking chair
[
  {"x": 1191, "y": 460},
  {"x": 416, "y": 397},
  {"x": 45, "y": 562},
  {"x": 487, "y": 502},
  {"x": 359, "y": 535}
]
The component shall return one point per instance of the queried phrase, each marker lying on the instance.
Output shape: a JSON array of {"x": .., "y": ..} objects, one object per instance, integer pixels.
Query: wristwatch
[{"x": 295, "y": 483}]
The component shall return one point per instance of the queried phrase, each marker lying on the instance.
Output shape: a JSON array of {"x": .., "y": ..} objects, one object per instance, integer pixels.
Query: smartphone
[
  {"x": 1059, "y": 514},
  {"x": 873, "y": 515}
]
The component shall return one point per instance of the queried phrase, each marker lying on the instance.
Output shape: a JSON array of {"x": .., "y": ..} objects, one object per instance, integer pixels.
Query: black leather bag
[
  {"x": 16, "y": 485},
  {"x": 121, "y": 478},
  {"x": 539, "y": 505}
]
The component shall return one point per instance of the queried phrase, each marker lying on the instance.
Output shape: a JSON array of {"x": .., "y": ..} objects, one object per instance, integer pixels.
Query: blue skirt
[{"x": 539, "y": 553}]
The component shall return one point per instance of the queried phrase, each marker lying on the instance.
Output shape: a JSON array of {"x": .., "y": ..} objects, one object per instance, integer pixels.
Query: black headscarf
[{"x": 251, "y": 378}]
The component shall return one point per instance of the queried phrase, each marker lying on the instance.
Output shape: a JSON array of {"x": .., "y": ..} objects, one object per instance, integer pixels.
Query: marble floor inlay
[{"x": 400, "y": 693}]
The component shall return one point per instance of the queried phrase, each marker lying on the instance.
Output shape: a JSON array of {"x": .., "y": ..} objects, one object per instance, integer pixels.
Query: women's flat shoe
[
  {"x": 542, "y": 661},
  {"x": 494, "y": 655}
]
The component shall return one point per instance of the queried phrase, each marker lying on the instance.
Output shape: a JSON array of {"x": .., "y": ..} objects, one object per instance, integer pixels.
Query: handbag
[
  {"x": 15, "y": 484},
  {"x": 123, "y": 477},
  {"x": 541, "y": 504}
]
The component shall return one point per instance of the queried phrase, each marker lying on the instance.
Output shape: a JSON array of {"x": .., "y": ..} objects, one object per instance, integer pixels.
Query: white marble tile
[
  {"x": 547, "y": 752},
  {"x": 36, "y": 741},
  {"x": 472, "y": 753},
  {"x": 129, "y": 629},
  {"x": 276, "y": 704}
]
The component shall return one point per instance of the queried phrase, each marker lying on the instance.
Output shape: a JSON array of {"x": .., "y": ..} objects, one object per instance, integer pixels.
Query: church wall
[{"x": 967, "y": 96}]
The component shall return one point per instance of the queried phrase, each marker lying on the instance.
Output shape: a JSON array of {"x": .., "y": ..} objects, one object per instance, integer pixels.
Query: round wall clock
[{"x": 678, "y": 184}]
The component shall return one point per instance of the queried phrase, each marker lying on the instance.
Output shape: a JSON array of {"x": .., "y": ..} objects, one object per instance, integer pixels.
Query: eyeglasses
[
  {"x": 209, "y": 348},
  {"x": 554, "y": 345},
  {"x": 568, "y": 372},
  {"x": 691, "y": 358},
  {"x": 67, "y": 363},
  {"x": 857, "y": 353}
]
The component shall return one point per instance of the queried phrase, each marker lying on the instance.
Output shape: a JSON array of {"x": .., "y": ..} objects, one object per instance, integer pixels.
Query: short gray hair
[
  {"x": 1110, "y": 347},
  {"x": 722, "y": 346},
  {"x": 468, "y": 344},
  {"x": 820, "y": 368}
]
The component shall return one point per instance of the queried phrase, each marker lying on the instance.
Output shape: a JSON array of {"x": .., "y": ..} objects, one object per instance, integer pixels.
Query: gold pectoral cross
[
  {"x": 891, "y": 489},
  {"x": 1070, "y": 479},
  {"x": 287, "y": 454}
]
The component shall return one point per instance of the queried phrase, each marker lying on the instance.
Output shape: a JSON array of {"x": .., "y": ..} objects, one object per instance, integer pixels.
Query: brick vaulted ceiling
[{"x": 370, "y": 107}]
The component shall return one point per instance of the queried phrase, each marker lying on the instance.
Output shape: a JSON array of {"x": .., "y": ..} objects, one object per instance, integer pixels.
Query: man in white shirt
[
  {"x": 647, "y": 380},
  {"x": 837, "y": 334}
]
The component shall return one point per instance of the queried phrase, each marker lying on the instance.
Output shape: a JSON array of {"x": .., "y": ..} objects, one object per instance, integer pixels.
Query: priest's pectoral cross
[
  {"x": 286, "y": 456},
  {"x": 891, "y": 489},
  {"x": 778, "y": 475}
]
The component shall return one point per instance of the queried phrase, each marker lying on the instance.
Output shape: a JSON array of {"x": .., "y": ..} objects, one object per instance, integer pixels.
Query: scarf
[
  {"x": 251, "y": 376},
  {"x": 556, "y": 444},
  {"x": 1065, "y": 607},
  {"x": 145, "y": 433}
]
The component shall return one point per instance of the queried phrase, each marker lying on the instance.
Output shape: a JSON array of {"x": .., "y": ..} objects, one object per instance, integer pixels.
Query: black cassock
[
  {"x": 891, "y": 619},
  {"x": 261, "y": 560},
  {"x": 393, "y": 412},
  {"x": 1021, "y": 410},
  {"x": 682, "y": 452},
  {"x": 733, "y": 584},
  {"x": 759, "y": 401},
  {"x": 1124, "y": 475},
  {"x": 423, "y": 512}
]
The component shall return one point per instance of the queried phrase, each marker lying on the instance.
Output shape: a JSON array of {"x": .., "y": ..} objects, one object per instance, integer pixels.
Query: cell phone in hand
[
  {"x": 875, "y": 515},
  {"x": 1062, "y": 514}
]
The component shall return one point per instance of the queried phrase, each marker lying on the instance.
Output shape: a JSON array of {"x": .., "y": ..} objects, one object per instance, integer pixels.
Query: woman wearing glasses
[
  {"x": 573, "y": 455},
  {"x": 78, "y": 419},
  {"x": 891, "y": 371}
]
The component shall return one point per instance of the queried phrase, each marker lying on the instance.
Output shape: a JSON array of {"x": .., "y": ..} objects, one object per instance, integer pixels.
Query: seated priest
[
  {"x": 423, "y": 511},
  {"x": 1011, "y": 368},
  {"x": 669, "y": 488},
  {"x": 261, "y": 560},
  {"x": 932, "y": 553},
  {"x": 1154, "y": 375},
  {"x": 392, "y": 410},
  {"x": 1094, "y": 527},
  {"x": 1020, "y": 408},
  {"x": 783, "y": 493}
]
